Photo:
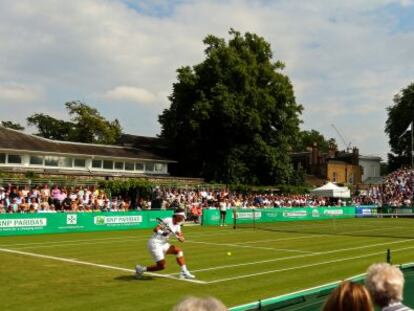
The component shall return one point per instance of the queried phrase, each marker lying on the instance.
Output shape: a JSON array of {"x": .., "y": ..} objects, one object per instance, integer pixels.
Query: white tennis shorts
[{"x": 157, "y": 250}]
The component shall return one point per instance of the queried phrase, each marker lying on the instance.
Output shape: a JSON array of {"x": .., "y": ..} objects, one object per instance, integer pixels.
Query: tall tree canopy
[
  {"x": 233, "y": 117},
  {"x": 12, "y": 125},
  {"x": 400, "y": 115},
  {"x": 86, "y": 125},
  {"x": 308, "y": 138}
]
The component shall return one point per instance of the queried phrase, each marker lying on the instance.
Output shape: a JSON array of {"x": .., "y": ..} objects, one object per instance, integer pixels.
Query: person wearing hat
[{"x": 158, "y": 246}]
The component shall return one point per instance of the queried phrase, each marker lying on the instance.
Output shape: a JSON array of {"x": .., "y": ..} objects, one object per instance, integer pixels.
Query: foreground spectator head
[
  {"x": 349, "y": 296},
  {"x": 200, "y": 304},
  {"x": 385, "y": 283}
]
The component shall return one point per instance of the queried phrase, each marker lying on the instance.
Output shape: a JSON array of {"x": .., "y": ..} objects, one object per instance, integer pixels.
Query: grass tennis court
[{"x": 94, "y": 271}]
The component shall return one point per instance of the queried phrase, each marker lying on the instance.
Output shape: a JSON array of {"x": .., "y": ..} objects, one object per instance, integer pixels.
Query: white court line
[
  {"x": 254, "y": 247},
  {"x": 283, "y": 239},
  {"x": 126, "y": 238},
  {"x": 63, "y": 243},
  {"x": 204, "y": 234},
  {"x": 319, "y": 226},
  {"x": 82, "y": 242},
  {"x": 66, "y": 241},
  {"x": 304, "y": 266},
  {"x": 73, "y": 261},
  {"x": 74, "y": 244},
  {"x": 376, "y": 228},
  {"x": 138, "y": 238},
  {"x": 299, "y": 256}
]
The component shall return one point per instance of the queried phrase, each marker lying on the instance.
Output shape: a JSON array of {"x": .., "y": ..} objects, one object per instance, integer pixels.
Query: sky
[{"x": 346, "y": 59}]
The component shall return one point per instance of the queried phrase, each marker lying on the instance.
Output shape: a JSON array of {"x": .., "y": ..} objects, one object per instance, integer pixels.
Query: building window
[
  {"x": 14, "y": 159},
  {"x": 51, "y": 161},
  {"x": 79, "y": 162},
  {"x": 334, "y": 176},
  {"x": 65, "y": 162},
  {"x": 139, "y": 166},
  {"x": 2, "y": 158},
  {"x": 129, "y": 166},
  {"x": 159, "y": 167},
  {"x": 97, "y": 163},
  {"x": 119, "y": 166},
  {"x": 108, "y": 165},
  {"x": 36, "y": 160},
  {"x": 149, "y": 167}
]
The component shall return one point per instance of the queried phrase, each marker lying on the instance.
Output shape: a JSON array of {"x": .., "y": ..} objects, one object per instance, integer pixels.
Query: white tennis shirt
[{"x": 159, "y": 238}]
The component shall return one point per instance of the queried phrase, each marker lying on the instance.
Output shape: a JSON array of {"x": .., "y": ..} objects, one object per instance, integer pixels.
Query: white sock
[{"x": 184, "y": 268}]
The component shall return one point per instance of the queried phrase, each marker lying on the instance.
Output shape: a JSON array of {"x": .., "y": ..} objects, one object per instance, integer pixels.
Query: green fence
[
  {"x": 211, "y": 217},
  {"x": 20, "y": 224},
  {"x": 314, "y": 298}
]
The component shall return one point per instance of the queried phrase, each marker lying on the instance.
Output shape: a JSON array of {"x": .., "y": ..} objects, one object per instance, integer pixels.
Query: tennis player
[{"x": 158, "y": 246}]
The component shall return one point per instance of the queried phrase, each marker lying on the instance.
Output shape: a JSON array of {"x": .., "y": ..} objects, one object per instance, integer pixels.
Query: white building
[{"x": 21, "y": 152}]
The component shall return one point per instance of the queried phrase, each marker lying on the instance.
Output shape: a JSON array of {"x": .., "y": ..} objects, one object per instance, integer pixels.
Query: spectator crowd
[
  {"x": 397, "y": 191},
  {"x": 42, "y": 199}
]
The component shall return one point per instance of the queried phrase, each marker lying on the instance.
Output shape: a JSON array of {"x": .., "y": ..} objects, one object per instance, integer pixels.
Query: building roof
[
  {"x": 370, "y": 157},
  {"x": 17, "y": 140}
]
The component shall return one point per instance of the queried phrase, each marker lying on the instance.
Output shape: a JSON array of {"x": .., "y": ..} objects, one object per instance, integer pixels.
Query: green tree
[
  {"x": 400, "y": 115},
  {"x": 50, "y": 127},
  {"x": 12, "y": 125},
  {"x": 308, "y": 138},
  {"x": 234, "y": 116},
  {"x": 91, "y": 127},
  {"x": 86, "y": 125}
]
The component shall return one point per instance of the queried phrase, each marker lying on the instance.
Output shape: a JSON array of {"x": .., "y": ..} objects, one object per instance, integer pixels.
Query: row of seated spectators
[
  {"x": 396, "y": 191},
  {"x": 22, "y": 199},
  {"x": 42, "y": 199}
]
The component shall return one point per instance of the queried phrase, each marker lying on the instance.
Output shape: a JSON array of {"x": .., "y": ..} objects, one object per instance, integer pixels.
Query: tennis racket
[{"x": 166, "y": 227}]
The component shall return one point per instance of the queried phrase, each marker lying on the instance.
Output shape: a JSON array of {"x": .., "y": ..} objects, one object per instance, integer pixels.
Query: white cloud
[
  {"x": 14, "y": 93},
  {"x": 346, "y": 59},
  {"x": 131, "y": 94}
]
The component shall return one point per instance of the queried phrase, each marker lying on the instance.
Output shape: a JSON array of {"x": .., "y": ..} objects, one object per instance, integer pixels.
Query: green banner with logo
[
  {"x": 20, "y": 224},
  {"x": 245, "y": 216}
]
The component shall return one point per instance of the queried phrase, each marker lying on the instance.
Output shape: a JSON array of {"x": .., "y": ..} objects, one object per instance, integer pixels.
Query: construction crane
[{"x": 347, "y": 146}]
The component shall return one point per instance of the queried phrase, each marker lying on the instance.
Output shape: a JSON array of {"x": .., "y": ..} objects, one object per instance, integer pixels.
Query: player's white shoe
[
  {"x": 186, "y": 275},
  {"x": 139, "y": 271}
]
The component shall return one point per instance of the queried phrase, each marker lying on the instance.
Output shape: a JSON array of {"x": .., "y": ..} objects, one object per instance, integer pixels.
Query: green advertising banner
[
  {"x": 211, "y": 217},
  {"x": 20, "y": 224}
]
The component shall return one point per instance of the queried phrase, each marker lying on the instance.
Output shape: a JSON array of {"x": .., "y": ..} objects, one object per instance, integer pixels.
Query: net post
[
  {"x": 389, "y": 256},
  {"x": 254, "y": 218},
  {"x": 234, "y": 217}
]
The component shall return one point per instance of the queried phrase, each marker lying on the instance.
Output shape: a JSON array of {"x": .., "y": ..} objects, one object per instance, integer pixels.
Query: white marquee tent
[{"x": 331, "y": 190}]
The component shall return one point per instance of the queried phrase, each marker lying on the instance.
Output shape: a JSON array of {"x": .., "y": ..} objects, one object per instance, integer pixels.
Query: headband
[{"x": 179, "y": 214}]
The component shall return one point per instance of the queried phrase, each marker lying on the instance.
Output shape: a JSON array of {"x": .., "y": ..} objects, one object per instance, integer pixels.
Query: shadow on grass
[{"x": 131, "y": 278}]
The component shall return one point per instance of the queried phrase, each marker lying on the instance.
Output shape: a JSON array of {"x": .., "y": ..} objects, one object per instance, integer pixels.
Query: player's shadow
[{"x": 131, "y": 278}]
